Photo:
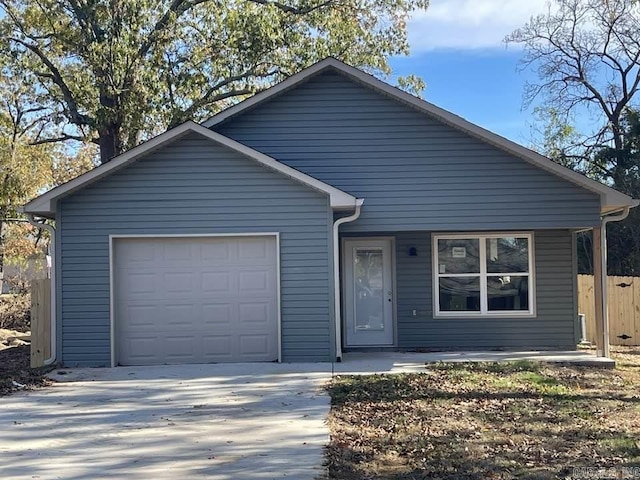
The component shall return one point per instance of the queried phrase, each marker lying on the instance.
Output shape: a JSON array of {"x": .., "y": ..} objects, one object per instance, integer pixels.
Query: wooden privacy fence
[
  {"x": 624, "y": 308},
  {"x": 40, "y": 321}
]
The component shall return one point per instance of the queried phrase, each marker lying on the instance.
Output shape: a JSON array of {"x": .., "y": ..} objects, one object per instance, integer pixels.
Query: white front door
[{"x": 368, "y": 292}]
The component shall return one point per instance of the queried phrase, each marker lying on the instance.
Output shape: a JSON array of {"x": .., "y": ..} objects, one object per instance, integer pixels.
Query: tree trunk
[
  {"x": 2, "y": 213},
  {"x": 109, "y": 141}
]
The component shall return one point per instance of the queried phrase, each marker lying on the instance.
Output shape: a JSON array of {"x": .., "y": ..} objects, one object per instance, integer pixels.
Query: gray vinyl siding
[
  {"x": 414, "y": 172},
  {"x": 195, "y": 186},
  {"x": 553, "y": 326}
]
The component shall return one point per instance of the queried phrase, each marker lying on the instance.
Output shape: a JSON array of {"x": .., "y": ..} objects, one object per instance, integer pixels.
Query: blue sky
[{"x": 458, "y": 51}]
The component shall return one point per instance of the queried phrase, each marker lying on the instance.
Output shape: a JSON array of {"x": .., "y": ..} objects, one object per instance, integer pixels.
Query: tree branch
[
  {"x": 55, "y": 75},
  {"x": 293, "y": 10},
  {"x": 61, "y": 138}
]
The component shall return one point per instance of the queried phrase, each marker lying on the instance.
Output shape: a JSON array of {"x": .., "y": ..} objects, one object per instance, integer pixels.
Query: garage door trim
[{"x": 112, "y": 318}]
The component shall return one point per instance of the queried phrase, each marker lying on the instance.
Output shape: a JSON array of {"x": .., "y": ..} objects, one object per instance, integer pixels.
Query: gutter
[
  {"x": 336, "y": 274},
  {"x": 614, "y": 217},
  {"x": 52, "y": 253}
]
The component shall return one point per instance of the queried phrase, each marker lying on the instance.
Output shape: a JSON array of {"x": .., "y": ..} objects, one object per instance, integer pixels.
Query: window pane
[
  {"x": 460, "y": 255},
  {"x": 459, "y": 294},
  {"x": 508, "y": 255},
  {"x": 368, "y": 289},
  {"x": 508, "y": 293}
]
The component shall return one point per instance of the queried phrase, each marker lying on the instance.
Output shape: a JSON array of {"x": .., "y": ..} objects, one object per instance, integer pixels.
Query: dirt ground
[{"x": 15, "y": 359}]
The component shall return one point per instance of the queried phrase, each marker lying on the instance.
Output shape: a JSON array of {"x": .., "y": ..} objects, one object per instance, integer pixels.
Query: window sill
[{"x": 481, "y": 316}]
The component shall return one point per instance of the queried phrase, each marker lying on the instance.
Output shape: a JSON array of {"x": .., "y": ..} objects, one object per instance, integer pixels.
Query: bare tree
[{"x": 586, "y": 54}]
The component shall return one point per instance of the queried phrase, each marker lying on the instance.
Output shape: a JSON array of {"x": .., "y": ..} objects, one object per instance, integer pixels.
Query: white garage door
[{"x": 195, "y": 300}]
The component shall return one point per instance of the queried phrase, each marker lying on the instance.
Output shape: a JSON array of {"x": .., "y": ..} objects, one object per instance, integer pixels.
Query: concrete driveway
[
  {"x": 241, "y": 421},
  {"x": 233, "y": 421}
]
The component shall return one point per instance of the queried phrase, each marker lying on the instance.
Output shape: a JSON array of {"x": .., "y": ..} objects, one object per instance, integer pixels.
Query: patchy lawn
[{"x": 486, "y": 421}]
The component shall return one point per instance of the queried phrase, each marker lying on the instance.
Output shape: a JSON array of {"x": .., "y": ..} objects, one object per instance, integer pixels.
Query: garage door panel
[
  {"x": 138, "y": 253},
  {"x": 140, "y": 316},
  {"x": 254, "y": 345},
  {"x": 251, "y": 282},
  {"x": 195, "y": 300},
  {"x": 178, "y": 283},
  {"x": 218, "y": 251},
  {"x": 253, "y": 249},
  {"x": 139, "y": 282},
  {"x": 182, "y": 315},
  {"x": 218, "y": 348},
  {"x": 216, "y": 282},
  {"x": 218, "y": 315},
  {"x": 254, "y": 313},
  {"x": 141, "y": 349},
  {"x": 181, "y": 349},
  {"x": 178, "y": 252}
]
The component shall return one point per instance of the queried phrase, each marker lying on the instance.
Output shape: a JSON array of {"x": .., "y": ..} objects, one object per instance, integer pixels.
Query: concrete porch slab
[{"x": 362, "y": 363}]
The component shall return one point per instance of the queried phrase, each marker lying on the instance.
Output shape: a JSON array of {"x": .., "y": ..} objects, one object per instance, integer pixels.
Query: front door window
[{"x": 368, "y": 288}]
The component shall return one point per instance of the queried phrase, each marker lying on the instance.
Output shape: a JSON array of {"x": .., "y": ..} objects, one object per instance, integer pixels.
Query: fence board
[
  {"x": 623, "y": 295},
  {"x": 40, "y": 321},
  {"x": 636, "y": 309},
  {"x": 621, "y": 307},
  {"x": 586, "y": 305}
]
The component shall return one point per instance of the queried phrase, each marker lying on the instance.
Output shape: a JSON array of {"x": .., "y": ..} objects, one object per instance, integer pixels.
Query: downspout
[
  {"x": 603, "y": 262},
  {"x": 336, "y": 274},
  {"x": 52, "y": 253}
]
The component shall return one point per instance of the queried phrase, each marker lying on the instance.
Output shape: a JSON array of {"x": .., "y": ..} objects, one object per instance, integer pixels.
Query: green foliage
[
  {"x": 558, "y": 137},
  {"x": 73, "y": 163},
  {"x": 27, "y": 166},
  {"x": 18, "y": 242},
  {"x": 118, "y": 71},
  {"x": 24, "y": 168}
]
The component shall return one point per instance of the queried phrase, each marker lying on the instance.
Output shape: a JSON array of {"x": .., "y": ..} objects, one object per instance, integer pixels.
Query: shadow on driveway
[{"x": 189, "y": 421}]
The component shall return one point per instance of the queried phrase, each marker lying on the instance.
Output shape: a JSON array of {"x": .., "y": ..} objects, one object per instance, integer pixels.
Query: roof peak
[
  {"x": 45, "y": 204},
  {"x": 611, "y": 199}
]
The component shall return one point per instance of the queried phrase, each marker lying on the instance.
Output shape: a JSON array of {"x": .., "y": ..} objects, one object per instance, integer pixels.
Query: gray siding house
[{"x": 328, "y": 214}]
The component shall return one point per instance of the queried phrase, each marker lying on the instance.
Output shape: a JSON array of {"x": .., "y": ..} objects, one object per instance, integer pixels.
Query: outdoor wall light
[{"x": 413, "y": 252}]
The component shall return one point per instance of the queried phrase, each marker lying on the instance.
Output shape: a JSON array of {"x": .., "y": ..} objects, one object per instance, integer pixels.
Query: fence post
[{"x": 40, "y": 321}]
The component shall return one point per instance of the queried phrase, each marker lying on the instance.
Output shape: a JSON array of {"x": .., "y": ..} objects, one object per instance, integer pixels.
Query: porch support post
[{"x": 598, "y": 277}]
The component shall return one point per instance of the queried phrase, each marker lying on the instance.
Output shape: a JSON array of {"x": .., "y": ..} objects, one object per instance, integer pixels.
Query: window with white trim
[{"x": 483, "y": 274}]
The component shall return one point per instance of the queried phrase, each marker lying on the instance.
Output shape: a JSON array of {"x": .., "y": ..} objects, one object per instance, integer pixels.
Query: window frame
[{"x": 483, "y": 275}]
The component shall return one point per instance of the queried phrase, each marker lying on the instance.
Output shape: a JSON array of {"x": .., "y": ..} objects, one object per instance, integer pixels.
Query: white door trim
[
  {"x": 394, "y": 310},
  {"x": 112, "y": 324}
]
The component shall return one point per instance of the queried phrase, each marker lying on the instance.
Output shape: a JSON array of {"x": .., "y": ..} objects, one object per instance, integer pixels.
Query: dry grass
[{"x": 486, "y": 421}]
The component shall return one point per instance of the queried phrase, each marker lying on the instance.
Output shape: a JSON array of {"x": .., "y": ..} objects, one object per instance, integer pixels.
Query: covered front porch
[{"x": 490, "y": 293}]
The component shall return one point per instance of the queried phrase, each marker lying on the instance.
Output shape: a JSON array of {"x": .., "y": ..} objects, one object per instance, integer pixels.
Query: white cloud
[{"x": 469, "y": 24}]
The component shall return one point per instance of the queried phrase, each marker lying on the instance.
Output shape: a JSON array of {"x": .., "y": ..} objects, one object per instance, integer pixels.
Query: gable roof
[
  {"x": 610, "y": 199},
  {"x": 45, "y": 204}
]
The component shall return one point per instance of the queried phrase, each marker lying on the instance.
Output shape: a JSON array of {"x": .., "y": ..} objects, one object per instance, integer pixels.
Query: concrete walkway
[{"x": 219, "y": 421}]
